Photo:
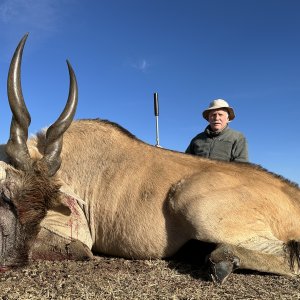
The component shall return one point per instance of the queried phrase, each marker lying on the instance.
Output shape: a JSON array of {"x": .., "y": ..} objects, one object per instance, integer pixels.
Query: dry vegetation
[{"x": 115, "y": 278}]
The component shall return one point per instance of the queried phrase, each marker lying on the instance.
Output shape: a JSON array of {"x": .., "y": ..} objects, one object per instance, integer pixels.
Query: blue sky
[{"x": 189, "y": 51}]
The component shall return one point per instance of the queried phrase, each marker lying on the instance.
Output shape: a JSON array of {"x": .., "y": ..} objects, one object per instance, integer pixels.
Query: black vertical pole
[{"x": 156, "y": 113}]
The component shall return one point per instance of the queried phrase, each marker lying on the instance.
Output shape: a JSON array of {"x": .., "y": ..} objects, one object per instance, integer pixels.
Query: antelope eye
[{"x": 6, "y": 199}]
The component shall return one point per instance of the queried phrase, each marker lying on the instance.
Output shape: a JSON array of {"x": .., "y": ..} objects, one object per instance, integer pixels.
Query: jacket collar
[{"x": 211, "y": 133}]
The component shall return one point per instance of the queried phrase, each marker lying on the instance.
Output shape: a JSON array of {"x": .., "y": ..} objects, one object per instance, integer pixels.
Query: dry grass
[{"x": 113, "y": 278}]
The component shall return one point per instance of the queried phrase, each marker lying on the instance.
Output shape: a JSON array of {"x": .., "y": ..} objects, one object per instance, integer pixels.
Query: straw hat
[{"x": 217, "y": 104}]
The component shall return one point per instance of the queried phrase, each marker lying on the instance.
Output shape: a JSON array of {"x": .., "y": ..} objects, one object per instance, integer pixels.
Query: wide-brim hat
[{"x": 218, "y": 104}]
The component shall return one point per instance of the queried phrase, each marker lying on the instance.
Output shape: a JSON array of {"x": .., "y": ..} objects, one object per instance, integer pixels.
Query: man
[{"x": 218, "y": 141}]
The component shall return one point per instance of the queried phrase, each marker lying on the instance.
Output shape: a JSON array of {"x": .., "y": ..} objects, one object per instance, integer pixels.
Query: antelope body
[{"x": 114, "y": 194}]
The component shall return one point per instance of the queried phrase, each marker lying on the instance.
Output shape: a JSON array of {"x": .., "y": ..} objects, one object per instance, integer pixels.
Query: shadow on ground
[{"x": 191, "y": 259}]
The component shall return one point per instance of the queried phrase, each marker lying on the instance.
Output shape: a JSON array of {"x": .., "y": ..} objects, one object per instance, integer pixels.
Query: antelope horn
[
  {"x": 16, "y": 147},
  {"x": 54, "y": 135}
]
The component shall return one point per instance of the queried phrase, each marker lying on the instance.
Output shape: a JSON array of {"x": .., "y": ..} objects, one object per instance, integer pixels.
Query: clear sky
[{"x": 190, "y": 52}]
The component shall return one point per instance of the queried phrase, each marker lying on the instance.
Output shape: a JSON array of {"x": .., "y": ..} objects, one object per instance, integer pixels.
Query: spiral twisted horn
[
  {"x": 54, "y": 135},
  {"x": 16, "y": 147}
]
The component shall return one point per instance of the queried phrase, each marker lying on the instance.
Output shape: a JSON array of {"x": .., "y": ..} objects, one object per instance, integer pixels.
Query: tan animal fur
[
  {"x": 95, "y": 187},
  {"x": 146, "y": 202}
]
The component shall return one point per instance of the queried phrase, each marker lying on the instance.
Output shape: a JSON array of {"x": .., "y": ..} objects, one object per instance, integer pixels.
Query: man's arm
[
  {"x": 189, "y": 149},
  {"x": 240, "y": 151}
]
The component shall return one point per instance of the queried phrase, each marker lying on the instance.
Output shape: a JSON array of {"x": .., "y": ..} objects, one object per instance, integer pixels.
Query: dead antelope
[{"x": 94, "y": 187}]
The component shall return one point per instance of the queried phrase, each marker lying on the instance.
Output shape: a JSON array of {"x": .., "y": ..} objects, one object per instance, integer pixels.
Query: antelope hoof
[{"x": 220, "y": 271}]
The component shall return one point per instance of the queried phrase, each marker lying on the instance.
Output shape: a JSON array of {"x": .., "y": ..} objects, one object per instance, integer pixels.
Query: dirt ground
[{"x": 116, "y": 278}]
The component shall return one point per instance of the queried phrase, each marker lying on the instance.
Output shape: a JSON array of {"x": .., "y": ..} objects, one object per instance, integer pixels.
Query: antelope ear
[
  {"x": 62, "y": 207},
  {"x": 69, "y": 200}
]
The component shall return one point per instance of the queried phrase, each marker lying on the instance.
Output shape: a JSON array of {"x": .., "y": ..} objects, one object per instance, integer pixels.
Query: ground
[{"x": 117, "y": 278}]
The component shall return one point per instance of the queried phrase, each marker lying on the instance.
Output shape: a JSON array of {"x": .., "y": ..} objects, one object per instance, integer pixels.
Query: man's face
[{"x": 218, "y": 119}]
